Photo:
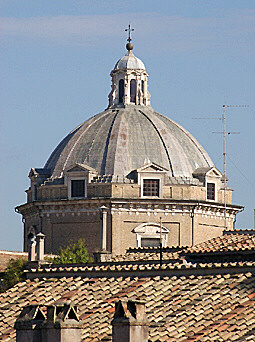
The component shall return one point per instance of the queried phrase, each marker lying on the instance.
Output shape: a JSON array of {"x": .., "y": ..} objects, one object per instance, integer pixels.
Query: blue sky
[{"x": 55, "y": 61}]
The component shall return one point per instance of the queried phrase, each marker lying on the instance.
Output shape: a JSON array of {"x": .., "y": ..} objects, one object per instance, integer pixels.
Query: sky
[{"x": 55, "y": 61}]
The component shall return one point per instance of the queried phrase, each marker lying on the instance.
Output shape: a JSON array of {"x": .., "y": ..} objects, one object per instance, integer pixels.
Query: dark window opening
[
  {"x": 34, "y": 192},
  {"x": 142, "y": 86},
  {"x": 78, "y": 188},
  {"x": 150, "y": 242},
  {"x": 121, "y": 91},
  {"x": 133, "y": 91},
  {"x": 210, "y": 191},
  {"x": 151, "y": 187}
]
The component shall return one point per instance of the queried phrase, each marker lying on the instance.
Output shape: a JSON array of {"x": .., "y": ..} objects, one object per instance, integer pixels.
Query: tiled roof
[
  {"x": 147, "y": 253},
  {"x": 240, "y": 231},
  {"x": 228, "y": 243},
  {"x": 239, "y": 240},
  {"x": 194, "y": 308},
  {"x": 225, "y": 243},
  {"x": 201, "y": 301},
  {"x": 6, "y": 256}
]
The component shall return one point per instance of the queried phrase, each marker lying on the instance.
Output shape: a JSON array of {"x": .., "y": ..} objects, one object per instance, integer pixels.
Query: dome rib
[
  {"x": 77, "y": 141},
  {"x": 103, "y": 166},
  {"x": 129, "y": 61},
  {"x": 162, "y": 140},
  {"x": 94, "y": 139},
  {"x": 58, "y": 150},
  {"x": 190, "y": 137},
  {"x": 118, "y": 141},
  {"x": 59, "y": 163},
  {"x": 195, "y": 142},
  {"x": 118, "y": 162}
]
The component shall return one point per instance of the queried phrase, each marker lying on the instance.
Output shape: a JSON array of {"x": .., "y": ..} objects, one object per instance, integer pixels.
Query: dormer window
[
  {"x": 133, "y": 91},
  {"x": 77, "y": 177},
  {"x": 77, "y": 188},
  {"x": 151, "y": 187},
  {"x": 211, "y": 191},
  {"x": 121, "y": 91},
  {"x": 211, "y": 179},
  {"x": 151, "y": 177}
]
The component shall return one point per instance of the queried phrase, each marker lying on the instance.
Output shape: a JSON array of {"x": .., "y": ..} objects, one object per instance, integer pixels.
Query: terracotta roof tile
[
  {"x": 192, "y": 307},
  {"x": 225, "y": 243},
  {"x": 6, "y": 256}
]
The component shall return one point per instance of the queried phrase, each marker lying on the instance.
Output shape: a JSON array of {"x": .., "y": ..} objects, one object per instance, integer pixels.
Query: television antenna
[{"x": 225, "y": 133}]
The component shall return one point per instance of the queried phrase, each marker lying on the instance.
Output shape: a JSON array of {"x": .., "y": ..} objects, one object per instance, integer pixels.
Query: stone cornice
[
  {"x": 166, "y": 204},
  {"x": 139, "y": 205},
  {"x": 28, "y": 209}
]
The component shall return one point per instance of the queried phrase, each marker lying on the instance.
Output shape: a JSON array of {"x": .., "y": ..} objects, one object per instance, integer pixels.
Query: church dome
[
  {"x": 129, "y": 61},
  {"x": 120, "y": 140},
  {"x": 129, "y": 133}
]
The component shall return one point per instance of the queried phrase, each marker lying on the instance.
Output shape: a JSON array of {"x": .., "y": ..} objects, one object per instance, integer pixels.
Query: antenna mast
[
  {"x": 225, "y": 164},
  {"x": 223, "y": 118},
  {"x": 225, "y": 156}
]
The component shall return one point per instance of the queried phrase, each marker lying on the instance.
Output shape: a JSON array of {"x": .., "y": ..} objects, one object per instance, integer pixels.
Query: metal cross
[{"x": 129, "y": 29}]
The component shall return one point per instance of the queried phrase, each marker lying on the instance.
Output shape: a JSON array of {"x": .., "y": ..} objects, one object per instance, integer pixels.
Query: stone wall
[
  {"x": 178, "y": 192},
  {"x": 185, "y": 213}
]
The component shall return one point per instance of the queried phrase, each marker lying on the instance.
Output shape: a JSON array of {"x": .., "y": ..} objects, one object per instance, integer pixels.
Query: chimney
[
  {"x": 28, "y": 325},
  {"x": 62, "y": 324},
  {"x": 130, "y": 323},
  {"x": 102, "y": 256},
  {"x": 40, "y": 246},
  {"x": 31, "y": 246}
]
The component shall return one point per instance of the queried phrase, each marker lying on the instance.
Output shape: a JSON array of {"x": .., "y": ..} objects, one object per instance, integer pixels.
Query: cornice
[{"x": 139, "y": 205}]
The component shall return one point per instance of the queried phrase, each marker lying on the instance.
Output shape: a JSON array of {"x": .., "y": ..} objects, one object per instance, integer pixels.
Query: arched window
[
  {"x": 133, "y": 91},
  {"x": 148, "y": 235},
  {"x": 121, "y": 91},
  {"x": 142, "y": 86}
]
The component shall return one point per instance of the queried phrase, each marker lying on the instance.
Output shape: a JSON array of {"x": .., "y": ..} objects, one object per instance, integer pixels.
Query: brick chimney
[
  {"x": 61, "y": 325},
  {"x": 28, "y": 325},
  {"x": 130, "y": 323}
]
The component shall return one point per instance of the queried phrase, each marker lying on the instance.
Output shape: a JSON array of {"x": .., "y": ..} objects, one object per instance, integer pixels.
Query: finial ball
[{"x": 129, "y": 46}]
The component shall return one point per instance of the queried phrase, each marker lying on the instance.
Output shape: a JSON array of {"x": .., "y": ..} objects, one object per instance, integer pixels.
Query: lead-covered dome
[
  {"x": 129, "y": 61},
  {"x": 129, "y": 133},
  {"x": 120, "y": 140}
]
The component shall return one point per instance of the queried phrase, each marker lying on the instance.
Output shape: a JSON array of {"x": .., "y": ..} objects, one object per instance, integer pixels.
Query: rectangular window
[
  {"x": 78, "y": 188},
  {"x": 150, "y": 242},
  {"x": 151, "y": 187},
  {"x": 210, "y": 191}
]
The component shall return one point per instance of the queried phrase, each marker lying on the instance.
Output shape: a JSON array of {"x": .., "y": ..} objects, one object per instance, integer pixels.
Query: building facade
[{"x": 126, "y": 178}]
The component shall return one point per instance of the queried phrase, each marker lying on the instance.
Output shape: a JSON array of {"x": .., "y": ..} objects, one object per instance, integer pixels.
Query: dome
[
  {"x": 129, "y": 61},
  {"x": 120, "y": 140}
]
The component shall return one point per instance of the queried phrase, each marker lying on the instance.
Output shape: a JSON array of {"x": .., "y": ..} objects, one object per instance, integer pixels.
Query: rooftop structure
[{"x": 185, "y": 299}]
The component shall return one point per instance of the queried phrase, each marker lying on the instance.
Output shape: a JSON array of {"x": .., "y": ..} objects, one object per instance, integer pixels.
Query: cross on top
[{"x": 129, "y": 29}]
